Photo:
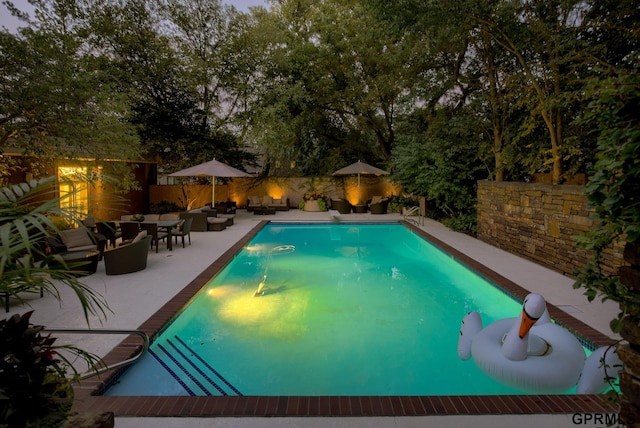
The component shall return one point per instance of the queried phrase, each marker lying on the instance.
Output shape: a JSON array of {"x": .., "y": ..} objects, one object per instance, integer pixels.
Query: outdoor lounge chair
[
  {"x": 127, "y": 258},
  {"x": 78, "y": 240},
  {"x": 341, "y": 205},
  {"x": 378, "y": 205}
]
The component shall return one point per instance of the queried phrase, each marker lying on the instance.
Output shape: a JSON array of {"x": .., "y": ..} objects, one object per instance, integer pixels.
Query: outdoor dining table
[{"x": 167, "y": 225}]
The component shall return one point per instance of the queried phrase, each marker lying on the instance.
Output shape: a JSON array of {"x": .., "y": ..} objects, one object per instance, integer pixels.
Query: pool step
[{"x": 190, "y": 370}]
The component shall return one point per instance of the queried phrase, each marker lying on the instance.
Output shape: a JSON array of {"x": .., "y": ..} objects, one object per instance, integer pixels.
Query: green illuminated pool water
[{"x": 352, "y": 310}]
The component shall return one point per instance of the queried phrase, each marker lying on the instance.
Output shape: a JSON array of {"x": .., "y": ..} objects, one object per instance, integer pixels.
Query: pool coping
[{"x": 88, "y": 400}]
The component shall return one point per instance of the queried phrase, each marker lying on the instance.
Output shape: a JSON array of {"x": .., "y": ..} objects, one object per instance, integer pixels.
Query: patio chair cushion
[
  {"x": 77, "y": 240},
  {"x": 255, "y": 200},
  {"x": 267, "y": 200},
  {"x": 376, "y": 199},
  {"x": 140, "y": 236}
]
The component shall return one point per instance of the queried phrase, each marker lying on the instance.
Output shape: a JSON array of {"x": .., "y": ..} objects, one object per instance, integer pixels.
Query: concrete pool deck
[{"x": 134, "y": 298}]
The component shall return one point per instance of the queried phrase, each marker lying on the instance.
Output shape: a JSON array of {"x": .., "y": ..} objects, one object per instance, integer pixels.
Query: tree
[
  {"x": 338, "y": 81},
  {"x": 163, "y": 57},
  {"x": 613, "y": 92},
  {"x": 53, "y": 102},
  {"x": 543, "y": 39}
]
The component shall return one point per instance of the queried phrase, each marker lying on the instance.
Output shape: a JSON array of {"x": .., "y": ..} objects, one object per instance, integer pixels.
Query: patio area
[{"x": 134, "y": 298}]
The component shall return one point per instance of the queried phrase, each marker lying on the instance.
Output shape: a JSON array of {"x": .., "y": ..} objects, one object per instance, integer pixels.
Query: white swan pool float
[{"x": 533, "y": 354}]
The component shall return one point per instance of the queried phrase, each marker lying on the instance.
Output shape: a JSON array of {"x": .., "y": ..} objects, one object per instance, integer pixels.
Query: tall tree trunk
[
  {"x": 555, "y": 133},
  {"x": 497, "y": 111}
]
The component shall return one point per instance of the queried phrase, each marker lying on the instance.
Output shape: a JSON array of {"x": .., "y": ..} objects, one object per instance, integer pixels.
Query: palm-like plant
[
  {"x": 34, "y": 388},
  {"x": 28, "y": 214}
]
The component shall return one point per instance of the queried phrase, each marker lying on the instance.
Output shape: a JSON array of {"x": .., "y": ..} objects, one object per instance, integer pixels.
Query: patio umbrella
[
  {"x": 360, "y": 168},
  {"x": 212, "y": 169}
]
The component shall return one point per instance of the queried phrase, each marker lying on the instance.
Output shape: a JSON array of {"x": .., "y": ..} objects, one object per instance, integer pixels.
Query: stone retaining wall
[{"x": 539, "y": 222}]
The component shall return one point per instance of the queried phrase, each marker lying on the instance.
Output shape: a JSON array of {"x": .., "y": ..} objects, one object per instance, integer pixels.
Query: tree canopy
[{"x": 441, "y": 93}]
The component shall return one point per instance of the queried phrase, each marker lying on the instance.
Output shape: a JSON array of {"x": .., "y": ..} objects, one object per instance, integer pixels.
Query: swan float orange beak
[{"x": 526, "y": 322}]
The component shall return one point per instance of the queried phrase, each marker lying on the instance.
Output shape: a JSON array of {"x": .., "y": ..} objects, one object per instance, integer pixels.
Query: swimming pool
[
  {"x": 344, "y": 310},
  {"x": 88, "y": 396}
]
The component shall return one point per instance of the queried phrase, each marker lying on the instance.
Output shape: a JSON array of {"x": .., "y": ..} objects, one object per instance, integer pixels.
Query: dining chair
[
  {"x": 90, "y": 223},
  {"x": 155, "y": 234},
  {"x": 129, "y": 230},
  {"x": 108, "y": 229},
  {"x": 183, "y": 229}
]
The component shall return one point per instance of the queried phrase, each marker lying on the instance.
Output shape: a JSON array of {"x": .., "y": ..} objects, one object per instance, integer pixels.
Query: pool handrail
[{"x": 99, "y": 370}]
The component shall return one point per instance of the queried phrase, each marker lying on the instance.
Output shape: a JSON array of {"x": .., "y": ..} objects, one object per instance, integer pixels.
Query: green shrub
[{"x": 164, "y": 207}]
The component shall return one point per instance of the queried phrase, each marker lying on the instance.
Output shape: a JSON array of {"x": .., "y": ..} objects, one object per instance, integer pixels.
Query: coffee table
[{"x": 264, "y": 211}]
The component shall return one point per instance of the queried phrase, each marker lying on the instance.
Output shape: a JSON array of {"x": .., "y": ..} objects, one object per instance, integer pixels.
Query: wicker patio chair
[
  {"x": 183, "y": 230},
  {"x": 155, "y": 234},
  {"x": 127, "y": 258},
  {"x": 129, "y": 230}
]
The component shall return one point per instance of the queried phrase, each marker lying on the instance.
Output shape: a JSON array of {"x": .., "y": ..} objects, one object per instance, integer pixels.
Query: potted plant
[
  {"x": 34, "y": 389},
  {"x": 313, "y": 201}
]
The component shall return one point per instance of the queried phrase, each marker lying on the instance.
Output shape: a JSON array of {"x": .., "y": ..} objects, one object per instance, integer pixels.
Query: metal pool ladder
[
  {"x": 101, "y": 367},
  {"x": 413, "y": 212}
]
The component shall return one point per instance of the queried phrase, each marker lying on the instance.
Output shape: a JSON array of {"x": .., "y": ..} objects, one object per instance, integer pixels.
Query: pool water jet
[{"x": 280, "y": 249}]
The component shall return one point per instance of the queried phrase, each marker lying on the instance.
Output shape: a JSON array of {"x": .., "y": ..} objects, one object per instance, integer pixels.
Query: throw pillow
[
  {"x": 139, "y": 237},
  {"x": 267, "y": 200},
  {"x": 255, "y": 200},
  {"x": 74, "y": 238}
]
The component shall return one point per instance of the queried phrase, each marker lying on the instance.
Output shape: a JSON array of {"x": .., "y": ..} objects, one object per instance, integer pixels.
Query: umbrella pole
[
  {"x": 358, "y": 189},
  {"x": 213, "y": 191}
]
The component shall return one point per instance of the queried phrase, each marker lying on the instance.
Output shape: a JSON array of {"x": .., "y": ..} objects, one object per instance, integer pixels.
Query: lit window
[{"x": 74, "y": 193}]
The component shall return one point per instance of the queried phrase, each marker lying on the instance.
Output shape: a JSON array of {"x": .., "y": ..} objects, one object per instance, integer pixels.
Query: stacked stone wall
[{"x": 539, "y": 222}]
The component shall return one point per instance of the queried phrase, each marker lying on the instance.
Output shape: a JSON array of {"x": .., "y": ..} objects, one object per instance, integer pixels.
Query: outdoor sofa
[
  {"x": 205, "y": 220},
  {"x": 279, "y": 204}
]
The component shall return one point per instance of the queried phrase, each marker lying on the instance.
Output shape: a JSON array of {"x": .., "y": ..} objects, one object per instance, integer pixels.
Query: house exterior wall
[
  {"x": 104, "y": 203},
  {"x": 539, "y": 222}
]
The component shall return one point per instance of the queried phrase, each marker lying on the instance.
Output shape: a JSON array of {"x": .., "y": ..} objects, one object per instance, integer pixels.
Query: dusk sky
[{"x": 9, "y": 22}]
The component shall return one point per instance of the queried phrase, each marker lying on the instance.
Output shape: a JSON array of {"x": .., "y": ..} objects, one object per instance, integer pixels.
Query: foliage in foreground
[
  {"x": 34, "y": 389},
  {"x": 614, "y": 189},
  {"x": 28, "y": 214}
]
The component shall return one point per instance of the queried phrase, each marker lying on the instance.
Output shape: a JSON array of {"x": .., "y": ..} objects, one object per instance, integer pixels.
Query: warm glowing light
[
  {"x": 275, "y": 191},
  {"x": 221, "y": 291},
  {"x": 279, "y": 315}
]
